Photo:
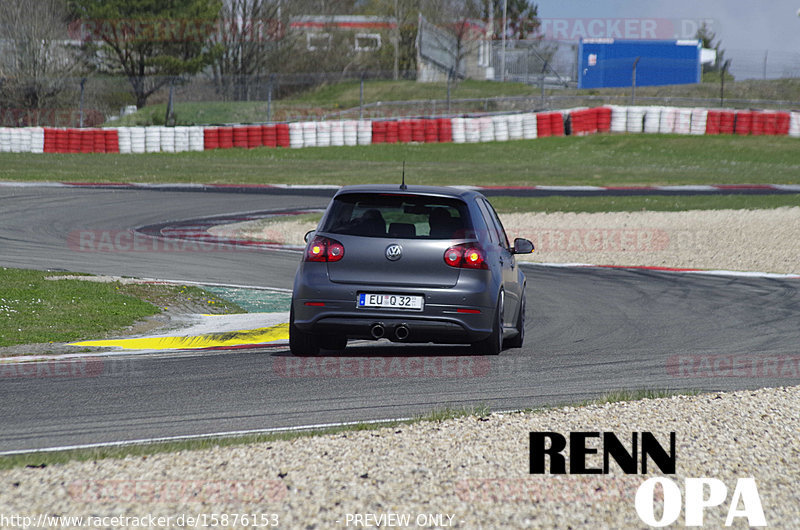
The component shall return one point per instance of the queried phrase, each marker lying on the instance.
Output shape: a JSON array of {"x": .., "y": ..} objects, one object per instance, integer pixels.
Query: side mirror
[
  {"x": 522, "y": 246},
  {"x": 308, "y": 235}
]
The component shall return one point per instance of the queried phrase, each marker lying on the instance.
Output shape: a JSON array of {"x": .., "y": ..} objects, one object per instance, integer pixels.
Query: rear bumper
[{"x": 397, "y": 329}]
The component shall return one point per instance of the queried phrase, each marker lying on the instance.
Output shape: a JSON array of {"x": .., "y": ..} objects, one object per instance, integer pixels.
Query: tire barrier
[
  {"x": 699, "y": 120},
  {"x": 309, "y": 134},
  {"x": 296, "y": 139},
  {"x": 652, "y": 120},
  {"x": 524, "y": 126},
  {"x": 323, "y": 134},
  {"x": 619, "y": 119},
  {"x": 529, "y": 126}
]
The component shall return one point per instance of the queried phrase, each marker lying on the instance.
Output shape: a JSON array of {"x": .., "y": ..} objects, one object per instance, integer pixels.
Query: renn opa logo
[{"x": 700, "y": 493}]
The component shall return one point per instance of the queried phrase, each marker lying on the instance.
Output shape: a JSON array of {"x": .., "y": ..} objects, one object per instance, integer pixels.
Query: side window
[
  {"x": 501, "y": 232},
  {"x": 487, "y": 219}
]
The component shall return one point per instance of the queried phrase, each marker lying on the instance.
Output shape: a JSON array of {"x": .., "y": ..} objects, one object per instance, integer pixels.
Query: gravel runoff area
[
  {"x": 472, "y": 469},
  {"x": 741, "y": 240}
]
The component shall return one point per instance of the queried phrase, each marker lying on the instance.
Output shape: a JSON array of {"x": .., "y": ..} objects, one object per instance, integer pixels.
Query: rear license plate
[{"x": 392, "y": 301}]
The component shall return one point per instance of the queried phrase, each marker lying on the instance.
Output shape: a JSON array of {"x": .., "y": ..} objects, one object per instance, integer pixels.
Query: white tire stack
[
  {"x": 486, "y": 128},
  {"x": 152, "y": 139},
  {"x": 530, "y": 129},
  {"x": 472, "y": 130},
  {"x": 619, "y": 119},
  {"x": 669, "y": 116},
  {"x": 364, "y": 132},
  {"x": 167, "y": 139},
  {"x": 5, "y": 140},
  {"x": 794, "y": 124},
  {"x": 683, "y": 121},
  {"x": 323, "y": 133},
  {"x": 196, "y": 139},
  {"x": 138, "y": 139},
  {"x": 309, "y": 134},
  {"x": 652, "y": 120},
  {"x": 459, "y": 130},
  {"x": 699, "y": 120},
  {"x": 500, "y": 125},
  {"x": 515, "y": 127},
  {"x": 635, "y": 122},
  {"x": 350, "y": 132},
  {"x": 37, "y": 140},
  {"x": 181, "y": 139},
  {"x": 296, "y": 135},
  {"x": 337, "y": 133},
  {"x": 124, "y": 135}
]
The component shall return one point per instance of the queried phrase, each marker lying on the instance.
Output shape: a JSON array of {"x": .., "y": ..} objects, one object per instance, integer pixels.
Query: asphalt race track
[{"x": 589, "y": 330}]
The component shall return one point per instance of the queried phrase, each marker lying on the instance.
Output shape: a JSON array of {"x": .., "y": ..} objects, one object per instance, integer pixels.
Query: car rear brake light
[
  {"x": 315, "y": 304},
  {"x": 465, "y": 257},
  {"x": 470, "y": 311},
  {"x": 324, "y": 249}
]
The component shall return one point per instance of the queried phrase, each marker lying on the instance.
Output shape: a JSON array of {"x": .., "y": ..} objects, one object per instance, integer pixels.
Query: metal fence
[{"x": 94, "y": 101}]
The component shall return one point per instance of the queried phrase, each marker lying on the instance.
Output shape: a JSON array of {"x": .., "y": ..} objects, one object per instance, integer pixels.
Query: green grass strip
[{"x": 599, "y": 160}]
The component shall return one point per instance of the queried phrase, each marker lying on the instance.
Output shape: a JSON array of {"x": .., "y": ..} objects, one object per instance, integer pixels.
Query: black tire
[
  {"x": 493, "y": 344},
  {"x": 516, "y": 341},
  {"x": 333, "y": 342},
  {"x": 301, "y": 344}
]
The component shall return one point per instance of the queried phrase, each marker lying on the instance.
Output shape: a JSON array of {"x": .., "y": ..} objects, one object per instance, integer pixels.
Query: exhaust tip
[
  {"x": 401, "y": 332},
  {"x": 377, "y": 330}
]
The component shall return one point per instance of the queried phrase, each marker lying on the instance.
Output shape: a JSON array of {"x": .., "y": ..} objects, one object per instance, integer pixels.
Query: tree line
[{"x": 46, "y": 44}]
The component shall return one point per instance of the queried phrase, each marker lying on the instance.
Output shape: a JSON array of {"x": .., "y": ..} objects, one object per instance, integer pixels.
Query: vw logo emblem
[{"x": 394, "y": 252}]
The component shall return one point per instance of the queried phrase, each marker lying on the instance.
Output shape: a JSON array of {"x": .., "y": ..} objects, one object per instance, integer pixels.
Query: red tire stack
[
  {"x": 62, "y": 140},
  {"x": 713, "y": 122},
  {"x": 577, "y": 123},
  {"x": 99, "y": 141},
  {"x": 86, "y": 140},
  {"x": 111, "y": 137},
  {"x": 431, "y": 128},
  {"x": 50, "y": 143},
  {"x": 240, "y": 137},
  {"x": 770, "y": 123},
  {"x": 210, "y": 138},
  {"x": 418, "y": 131},
  {"x": 225, "y": 137},
  {"x": 782, "y": 122},
  {"x": 269, "y": 136},
  {"x": 727, "y": 119},
  {"x": 757, "y": 128},
  {"x": 543, "y": 125},
  {"x": 392, "y": 132},
  {"x": 254, "y": 136},
  {"x": 556, "y": 124},
  {"x": 603, "y": 119},
  {"x": 379, "y": 132},
  {"x": 445, "y": 130},
  {"x": 405, "y": 131},
  {"x": 744, "y": 123},
  {"x": 282, "y": 134}
]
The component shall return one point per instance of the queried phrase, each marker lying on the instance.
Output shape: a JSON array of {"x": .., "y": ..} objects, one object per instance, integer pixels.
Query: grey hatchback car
[{"x": 409, "y": 264}]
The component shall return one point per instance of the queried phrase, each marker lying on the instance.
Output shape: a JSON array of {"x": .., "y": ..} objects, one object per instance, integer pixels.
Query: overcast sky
[{"x": 754, "y": 25}]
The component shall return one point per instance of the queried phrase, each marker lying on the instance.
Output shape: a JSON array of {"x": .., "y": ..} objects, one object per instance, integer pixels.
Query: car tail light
[
  {"x": 324, "y": 249},
  {"x": 465, "y": 257}
]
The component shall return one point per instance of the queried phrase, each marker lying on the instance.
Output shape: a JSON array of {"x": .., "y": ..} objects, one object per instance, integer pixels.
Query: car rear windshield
[{"x": 398, "y": 216}]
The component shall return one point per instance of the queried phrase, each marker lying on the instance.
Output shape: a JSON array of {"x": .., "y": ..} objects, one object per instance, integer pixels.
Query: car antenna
[{"x": 403, "y": 184}]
